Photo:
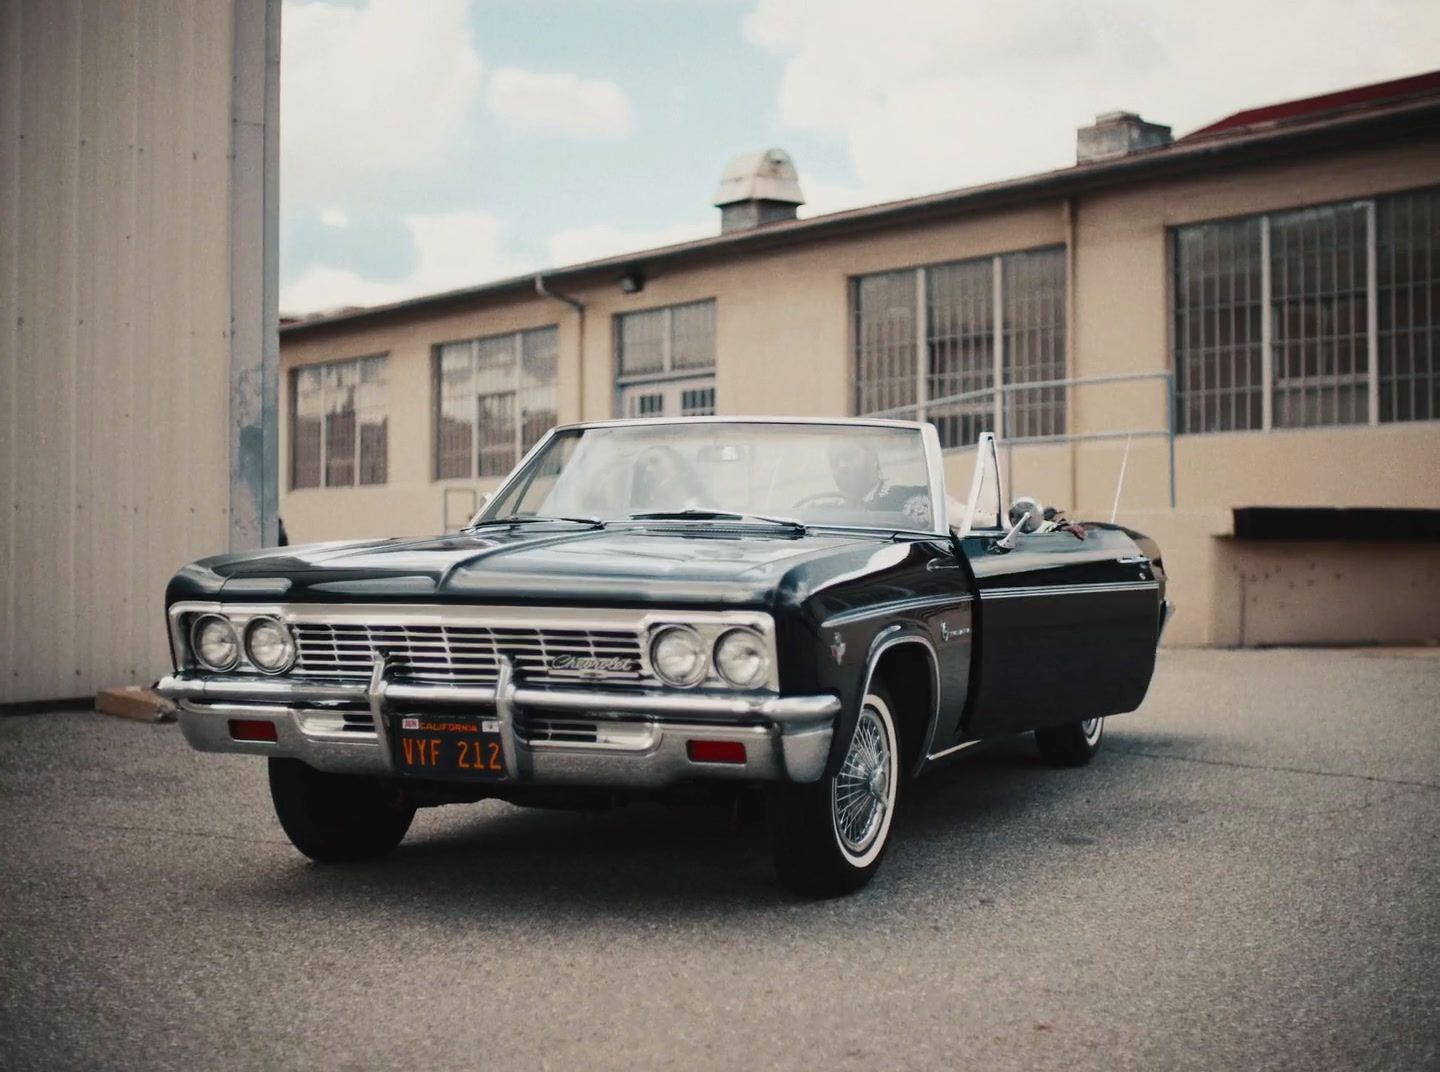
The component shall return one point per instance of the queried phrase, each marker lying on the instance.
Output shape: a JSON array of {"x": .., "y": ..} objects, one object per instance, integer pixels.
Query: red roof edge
[{"x": 1376, "y": 93}]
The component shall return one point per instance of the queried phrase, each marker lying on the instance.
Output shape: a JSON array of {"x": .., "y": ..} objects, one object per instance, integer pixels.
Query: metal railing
[{"x": 1003, "y": 414}]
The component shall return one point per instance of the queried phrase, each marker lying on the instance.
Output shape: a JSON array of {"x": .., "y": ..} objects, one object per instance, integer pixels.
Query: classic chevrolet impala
[{"x": 649, "y": 607}]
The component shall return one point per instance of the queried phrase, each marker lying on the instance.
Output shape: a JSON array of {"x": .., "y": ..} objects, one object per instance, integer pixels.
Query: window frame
[
  {"x": 668, "y": 371},
  {"x": 382, "y": 358},
  {"x": 516, "y": 392},
  {"x": 1367, "y": 374},
  {"x": 1000, "y": 339}
]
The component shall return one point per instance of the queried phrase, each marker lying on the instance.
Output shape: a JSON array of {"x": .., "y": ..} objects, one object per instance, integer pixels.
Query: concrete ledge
[{"x": 136, "y": 703}]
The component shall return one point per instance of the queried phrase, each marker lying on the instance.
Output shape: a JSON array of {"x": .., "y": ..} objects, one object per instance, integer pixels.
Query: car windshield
[{"x": 817, "y": 474}]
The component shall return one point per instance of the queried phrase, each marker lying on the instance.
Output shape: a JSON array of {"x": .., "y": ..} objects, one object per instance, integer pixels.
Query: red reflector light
[
  {"x": 252, "y": 729},
  {"x": 715, "y": 751}
]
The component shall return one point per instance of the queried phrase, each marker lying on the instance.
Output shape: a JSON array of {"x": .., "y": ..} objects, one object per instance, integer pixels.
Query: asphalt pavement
[{"x": 1247, "y": 877}]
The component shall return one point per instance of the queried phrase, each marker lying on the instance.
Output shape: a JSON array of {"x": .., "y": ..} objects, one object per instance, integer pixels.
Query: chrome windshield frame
[{"x": 929, "y": 437}]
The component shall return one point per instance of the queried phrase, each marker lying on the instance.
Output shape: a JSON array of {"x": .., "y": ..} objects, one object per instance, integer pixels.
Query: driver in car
[{"x": 855, "y": 467}]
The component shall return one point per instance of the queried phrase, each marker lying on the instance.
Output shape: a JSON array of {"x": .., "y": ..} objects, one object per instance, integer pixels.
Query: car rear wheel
[
  {"x": 337, "y": 818},
  {"x": 1072, "y": 745},
  {"x": 829, "y": 838}
]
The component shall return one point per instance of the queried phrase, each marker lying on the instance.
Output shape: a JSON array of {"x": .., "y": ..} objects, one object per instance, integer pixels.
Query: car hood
[{"x": 625, "y": 566}]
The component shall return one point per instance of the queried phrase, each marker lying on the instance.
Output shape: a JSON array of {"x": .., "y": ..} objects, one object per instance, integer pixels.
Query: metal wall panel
[{"x": 116, "y": 307}]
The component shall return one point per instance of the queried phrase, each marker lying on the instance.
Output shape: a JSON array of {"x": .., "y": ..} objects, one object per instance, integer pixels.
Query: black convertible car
[{"x": 652, "y": 607}]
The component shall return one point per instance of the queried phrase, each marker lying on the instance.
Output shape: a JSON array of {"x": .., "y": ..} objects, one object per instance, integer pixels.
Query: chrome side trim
[
  {"x": 898, "y": 606},
  {"x": 962, "y": 746},
  {"x": 987, "y": 594}
]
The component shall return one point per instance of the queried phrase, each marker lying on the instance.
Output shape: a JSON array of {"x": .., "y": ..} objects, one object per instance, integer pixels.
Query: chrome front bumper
[{"x": 640, "y": 743}]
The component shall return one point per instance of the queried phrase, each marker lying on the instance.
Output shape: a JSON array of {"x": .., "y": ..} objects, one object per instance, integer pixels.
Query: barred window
[
  {"x": 665, "y": 361},
  {"x": 338, "y": 424},
  {"x": 994, "y": 318},
  {"x": 495, "y": 397},
  {"x": 1314, "y": 317},
  {"x": 1408, "y": 306}
]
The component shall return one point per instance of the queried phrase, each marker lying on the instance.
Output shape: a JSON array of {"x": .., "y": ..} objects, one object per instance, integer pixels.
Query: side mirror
[
  {"x": 1027, "y": 514},
  {"x": 1011, "y": 538}
]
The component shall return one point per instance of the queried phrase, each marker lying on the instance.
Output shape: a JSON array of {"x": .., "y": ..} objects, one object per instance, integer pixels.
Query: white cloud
[
  {"x": 560, "y": 104},
  {"x": 825, "y": 197},
  {"x": 334, "y": 216},
  {"x": 934, "y": 94},
  {"x": 575, "y": 245},
  {"x": 452, "y": 250},
  {"x": 371, "y": 93}
]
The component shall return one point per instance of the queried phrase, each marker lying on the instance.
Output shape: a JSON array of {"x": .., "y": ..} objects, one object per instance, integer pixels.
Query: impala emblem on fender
[
  {"x": 948, "y": 634},
  {"x": 837, "y": 649}
]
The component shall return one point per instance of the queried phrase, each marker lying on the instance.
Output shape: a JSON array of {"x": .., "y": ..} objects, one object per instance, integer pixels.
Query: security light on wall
[{"x": 632, "y": 282}]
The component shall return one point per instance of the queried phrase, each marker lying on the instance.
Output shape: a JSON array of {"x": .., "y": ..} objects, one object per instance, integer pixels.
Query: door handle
[{"x": 1134, "y": 560}]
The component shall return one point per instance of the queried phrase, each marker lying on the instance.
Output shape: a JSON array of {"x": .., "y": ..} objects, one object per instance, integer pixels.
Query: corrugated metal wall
[{"x": 116, "y": 219}]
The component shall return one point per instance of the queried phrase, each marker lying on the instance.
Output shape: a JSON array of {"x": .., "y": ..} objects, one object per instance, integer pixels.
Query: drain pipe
[{"x": 579, "y": 308}]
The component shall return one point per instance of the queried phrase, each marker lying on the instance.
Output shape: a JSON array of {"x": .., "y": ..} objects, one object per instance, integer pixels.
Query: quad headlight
[
  {"x": 270, "y": 645},
  {"x": 742, "y": 658},
  {"x": 678, "y": 656},
  {"x": 215, "y": 643}
]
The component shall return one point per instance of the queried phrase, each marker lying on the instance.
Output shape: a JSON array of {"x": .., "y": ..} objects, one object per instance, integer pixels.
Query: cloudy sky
[{"x": 434, "y": 144}]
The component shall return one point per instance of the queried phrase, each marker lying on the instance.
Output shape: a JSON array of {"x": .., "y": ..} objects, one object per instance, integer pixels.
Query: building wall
[
  {"x": 115, "y": 323},
  {"x": 784, "y": 346}
]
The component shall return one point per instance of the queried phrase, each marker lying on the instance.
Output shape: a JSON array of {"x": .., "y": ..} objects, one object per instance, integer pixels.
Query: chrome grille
[{"x": 461, "y": 653}]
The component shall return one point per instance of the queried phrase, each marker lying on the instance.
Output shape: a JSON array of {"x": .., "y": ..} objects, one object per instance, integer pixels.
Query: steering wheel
[{"x": 819, "y": 498}]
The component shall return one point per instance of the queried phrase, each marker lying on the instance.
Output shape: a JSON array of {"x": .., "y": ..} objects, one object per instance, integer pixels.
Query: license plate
[{"x": 439, "y": 746}]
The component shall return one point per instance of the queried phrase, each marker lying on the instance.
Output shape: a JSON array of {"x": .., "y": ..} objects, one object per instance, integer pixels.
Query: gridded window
[
  {"x": 1316, "y": 317},
  {"x": 962, "y": 346},
  {"x": 1219, "y": 306},
  {"x": 697, "y": 402},
  {"x": 665, "y": 361},
  {"x": 1408, "y": 301},
  {"x": 338, "y": 424},
  {"x": 495, "y": 397},
  {"x": 1033, "y": 290},
  {"x": 885, "y": 341},
  {"x": 1318, "y": 293}
]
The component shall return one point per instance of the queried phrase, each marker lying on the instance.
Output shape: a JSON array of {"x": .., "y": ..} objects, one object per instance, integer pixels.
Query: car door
[{"x": 1065, "y": 627}]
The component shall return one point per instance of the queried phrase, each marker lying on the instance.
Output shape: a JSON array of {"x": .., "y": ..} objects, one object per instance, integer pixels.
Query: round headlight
[
  {"x": 742, "y": 658},
  {"x": 214, "y": 642},
  {"x": 269, "y": 645},
  {"x": 678, "y": 655}
]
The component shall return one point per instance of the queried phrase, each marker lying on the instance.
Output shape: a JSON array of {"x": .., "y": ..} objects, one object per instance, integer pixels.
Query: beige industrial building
[
  {"x": 138, "y": 347},
  {"x": 1252, "y": 311}
]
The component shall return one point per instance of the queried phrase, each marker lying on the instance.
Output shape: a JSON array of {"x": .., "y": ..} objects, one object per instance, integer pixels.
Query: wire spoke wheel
[{"x": 862, "y": 793}]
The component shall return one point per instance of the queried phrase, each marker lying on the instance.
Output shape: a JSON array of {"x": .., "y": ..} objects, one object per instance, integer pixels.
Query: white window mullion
[
  {"x": 1372, "y": 315},
  {"x": 997, "y": 312},
  {"x": 922, "y": 349},
  {"x": 1267, "y": 355}
]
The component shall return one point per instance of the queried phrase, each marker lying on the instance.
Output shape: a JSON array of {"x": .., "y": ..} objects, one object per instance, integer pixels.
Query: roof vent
[
  {"x": 756, "y": 189},
  {"x": 1117, "y": 134}
]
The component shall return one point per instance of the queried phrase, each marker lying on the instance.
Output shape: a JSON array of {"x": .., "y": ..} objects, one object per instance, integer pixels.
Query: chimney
[
  {"x": 1117, "y": 134},
  {"x": 756, "y": 189}
]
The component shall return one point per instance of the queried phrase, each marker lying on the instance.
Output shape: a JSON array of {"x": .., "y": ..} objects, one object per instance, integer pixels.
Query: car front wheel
[
  {"x": 1072, "y": 745},
  {"x": 829, "y": 838},
  {"x": 337, "y": 818}
]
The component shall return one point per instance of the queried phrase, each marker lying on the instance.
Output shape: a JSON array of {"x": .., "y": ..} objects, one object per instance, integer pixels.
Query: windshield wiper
[
  {"x": 702, "y": 514},
  {"x": 531, "y": 519}
]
